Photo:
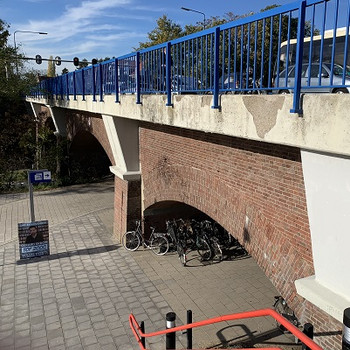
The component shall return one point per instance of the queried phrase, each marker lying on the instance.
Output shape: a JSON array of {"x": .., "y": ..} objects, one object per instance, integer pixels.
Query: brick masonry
[
  {"x": 77, "y": 122},
  {"x": 254, "y": 190},
  {"x": 127, "y": 201}
]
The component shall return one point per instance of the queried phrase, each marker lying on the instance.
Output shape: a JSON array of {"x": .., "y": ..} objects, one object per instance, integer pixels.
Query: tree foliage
[
  {"x": 51, "y": 68},
  {"x": 15, "y": 121},
  {"x": 166, "y": 30}
]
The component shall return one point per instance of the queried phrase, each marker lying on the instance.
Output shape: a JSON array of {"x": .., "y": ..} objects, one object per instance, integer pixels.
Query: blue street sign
[{"x": 36, "y": 176}]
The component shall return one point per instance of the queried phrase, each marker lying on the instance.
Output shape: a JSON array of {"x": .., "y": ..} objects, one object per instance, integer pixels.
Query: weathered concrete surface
[{"x": 324, "y": 125}]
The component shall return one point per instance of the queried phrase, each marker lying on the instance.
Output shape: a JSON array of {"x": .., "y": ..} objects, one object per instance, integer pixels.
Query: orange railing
[{"x": 139, "y": 334}]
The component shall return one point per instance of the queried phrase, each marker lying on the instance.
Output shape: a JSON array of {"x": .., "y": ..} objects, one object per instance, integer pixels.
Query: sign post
[
  {"x": 36, "y": 176},
  {"x": 34, "y": 236}
]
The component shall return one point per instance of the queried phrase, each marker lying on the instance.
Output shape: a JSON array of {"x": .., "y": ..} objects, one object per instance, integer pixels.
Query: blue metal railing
[{"x": 262, "y": 53}]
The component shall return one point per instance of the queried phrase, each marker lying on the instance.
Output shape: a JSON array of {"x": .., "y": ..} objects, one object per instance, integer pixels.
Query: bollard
[
  {"x": 309, "y": 331},
  {"x": 346, "y": 330},
  {"x": 189, "y": 331},
  {"x": 170, "y": 338},
  {"x": 143, "y": 339}
]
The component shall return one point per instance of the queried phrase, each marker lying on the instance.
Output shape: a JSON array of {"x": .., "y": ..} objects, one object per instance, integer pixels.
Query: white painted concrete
[{"x": 327, "y": 185}]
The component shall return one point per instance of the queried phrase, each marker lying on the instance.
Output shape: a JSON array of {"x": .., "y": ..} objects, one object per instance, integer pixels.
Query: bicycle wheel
[
  {"x": 159, "y": 245},
  {"x": 183, "y": 259},
  {"x": 131, "y": 240},
  {"x": 203, "y": 249},
  {"x": 182, "y": 254},
  {"x": 217, "y": 251}
]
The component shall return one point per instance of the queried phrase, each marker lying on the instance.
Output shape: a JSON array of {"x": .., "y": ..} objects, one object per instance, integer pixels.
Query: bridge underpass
[{"x": 252, "y": 167}]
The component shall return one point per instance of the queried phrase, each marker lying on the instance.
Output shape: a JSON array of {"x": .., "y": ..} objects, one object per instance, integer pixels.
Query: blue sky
[{"x": 103, "y": 28}]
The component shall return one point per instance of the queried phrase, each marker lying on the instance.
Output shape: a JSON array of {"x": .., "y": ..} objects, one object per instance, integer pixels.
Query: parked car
[{"x": 310, "y": 81}]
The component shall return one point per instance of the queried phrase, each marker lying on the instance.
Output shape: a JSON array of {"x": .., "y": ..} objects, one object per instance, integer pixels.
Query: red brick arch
[
  {"x": 252, "y": 189},
  {"x": 92, "y": 123}
]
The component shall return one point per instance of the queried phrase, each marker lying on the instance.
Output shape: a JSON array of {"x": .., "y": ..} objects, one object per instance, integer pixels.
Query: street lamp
[
  {"x": 25, "y": 31},
  {"x": 191, "y": 10}
]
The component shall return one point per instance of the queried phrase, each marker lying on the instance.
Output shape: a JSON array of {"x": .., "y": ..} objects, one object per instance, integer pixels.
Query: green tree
[
  {"x": 83, "y": 63},
  {"x": 166, "y": 30},
  {"x": 15, "y": 121},
  {"x": 51, "y": 68}
]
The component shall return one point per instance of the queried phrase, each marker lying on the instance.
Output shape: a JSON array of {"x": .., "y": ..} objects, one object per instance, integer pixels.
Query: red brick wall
[
  {"x": 254, "y": 190},
  {"x": 127, "y": 205},
  {"x": 120, "y": 206}
]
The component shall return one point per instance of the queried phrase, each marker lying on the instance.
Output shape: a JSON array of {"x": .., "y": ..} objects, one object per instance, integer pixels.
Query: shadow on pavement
[
  {"x": 268, "y": 338},
  {"x": 85, "y": 251}
]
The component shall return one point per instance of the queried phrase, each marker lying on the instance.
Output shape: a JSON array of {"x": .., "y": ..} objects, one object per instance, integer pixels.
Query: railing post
[
  {"x": 189, "y": 330},
  {"x": 75, "y": 85},
  {"x": 116, "y": 80},
  {"x": 138, "y": 85},
  {"x": 93, "y": 84},
  {"x": 299, "y": 58},
  {"x": 170, "y": 338},
  {"x": 61, "y": 87},
  {"x": 168, "y": 74},
  {"x": 101, "y": 83},
  {"x": 346, "y": 330},
  {"x": 83, "y": 84},
  {"x": 143, "y": 339},
  {"x": 216, "y": 69},
  {"x": 309, "y": 331},
  {"x": 67, "y": 86}
]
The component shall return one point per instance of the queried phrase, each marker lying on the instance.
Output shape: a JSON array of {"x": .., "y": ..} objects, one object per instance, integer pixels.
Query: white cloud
[{"x": 77, "y": 20}]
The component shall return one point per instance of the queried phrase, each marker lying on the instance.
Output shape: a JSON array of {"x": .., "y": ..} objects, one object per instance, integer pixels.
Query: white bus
[
  {"x": 315, "y": 51},
  {"x": 315, "y": 46}
]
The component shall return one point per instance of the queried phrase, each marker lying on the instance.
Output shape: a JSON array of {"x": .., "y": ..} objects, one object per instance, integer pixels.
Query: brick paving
[{"x": 80, "y": 296}]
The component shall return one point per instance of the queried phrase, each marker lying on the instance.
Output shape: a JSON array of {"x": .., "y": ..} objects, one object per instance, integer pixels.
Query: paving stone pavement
[{"x": 81, "y": 295}]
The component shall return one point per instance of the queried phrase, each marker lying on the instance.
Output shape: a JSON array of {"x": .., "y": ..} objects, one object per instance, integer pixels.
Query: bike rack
[{"x": 139, "y": 334}]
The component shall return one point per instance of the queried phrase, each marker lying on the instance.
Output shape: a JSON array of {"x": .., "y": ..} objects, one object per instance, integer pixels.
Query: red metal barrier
[{"x": 242, "y": 315}]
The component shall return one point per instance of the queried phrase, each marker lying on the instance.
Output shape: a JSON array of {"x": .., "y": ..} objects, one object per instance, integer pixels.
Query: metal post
[
  {"x": 93, "y": 84},
  {"x": 67, "y": 87},
  {"x": 138, "y": 85},
  {"x": 189, "y": 331},
  {"x": 101, "y": 82},
  {"x": 309, "y": 331},
  {"x": 75, "y": 86},
  {"x": 116, "y": 79},
  {"x": 346, "y": 330},
  {"x": 299, "y": 59},
  {"x": 31, "y": 199},
  {"x": 83, "y": 84},
  {"x": 216, "y": 69},
  {"x": 143, "y": 339},
  {"x": 168, "y": 73},
  {"x": 170, "y": 338}
]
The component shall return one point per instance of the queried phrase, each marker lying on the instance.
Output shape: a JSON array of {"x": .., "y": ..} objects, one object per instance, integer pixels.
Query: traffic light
[
  {"x": 58, "y": 60},
  {"x": 76, "y": 61},
  {"x": 94, "y": 61},
  {"x": 38, "y": 59}
]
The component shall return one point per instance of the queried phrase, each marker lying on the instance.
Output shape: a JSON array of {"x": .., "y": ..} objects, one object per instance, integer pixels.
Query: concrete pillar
[
  {"x": 123, "y": 137},
  {"x": 59, "y": 119}
]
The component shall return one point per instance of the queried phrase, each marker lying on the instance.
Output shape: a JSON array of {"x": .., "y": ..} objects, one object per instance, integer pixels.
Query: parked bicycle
[
  {"x": 178, "y": 238},
  {"x": 157, "y": 242}
]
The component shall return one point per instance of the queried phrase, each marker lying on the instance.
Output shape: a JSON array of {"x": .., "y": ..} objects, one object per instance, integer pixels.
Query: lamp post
[
  {"x": 23, "y": 31},
  {"x": 191, "y": 10}
]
